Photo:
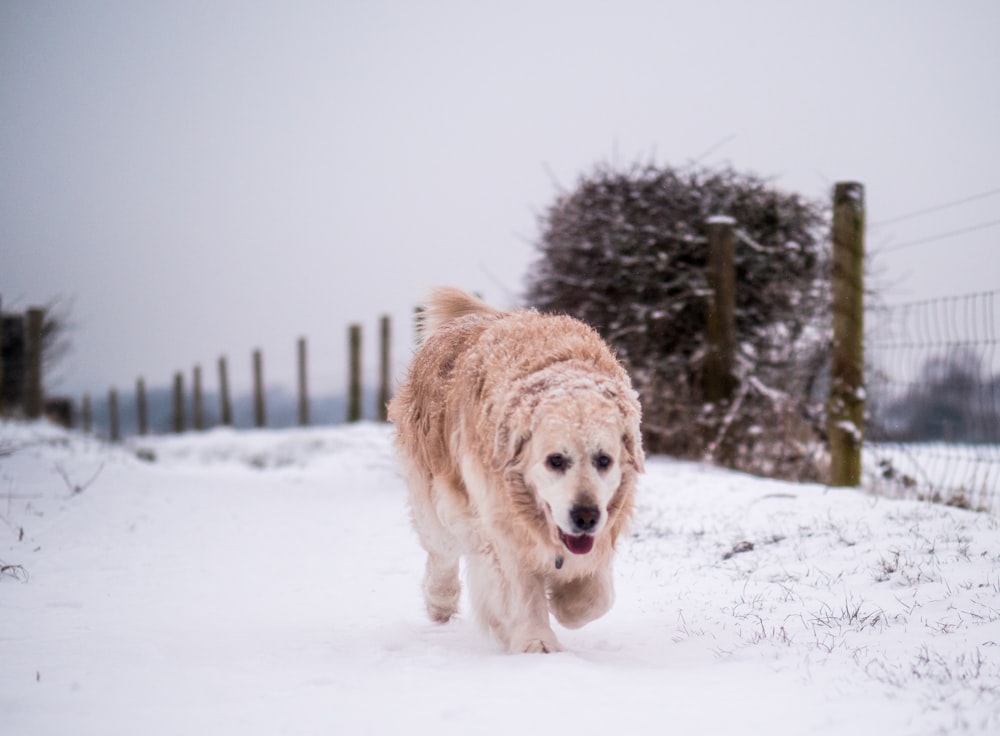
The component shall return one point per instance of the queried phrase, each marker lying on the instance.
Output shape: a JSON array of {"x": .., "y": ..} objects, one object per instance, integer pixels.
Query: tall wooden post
[
  {"x": 3, "y": 340},
  {"x": 197, "y": 400},
  {"x": 354, "y": 369},
  {"x": 142, "y": 408},
  {"x": 85, "y": 414},
  {"x": 303, "y": 388},
  {"x": 259, "y": 412},
  {"x": 846, "y": 406},
  {"x": 719, "y": 378},
  {"x": 385, "y": 368},
  {"x": 178, "y": 402},
  {"x": 114, "y": 431},
  {"x": 33, "y": 363},
  {"x": 226, "y": 408}
]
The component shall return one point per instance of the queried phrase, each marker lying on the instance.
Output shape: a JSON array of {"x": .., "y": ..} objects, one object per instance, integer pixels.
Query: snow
[{"x": 268, "y": 582}]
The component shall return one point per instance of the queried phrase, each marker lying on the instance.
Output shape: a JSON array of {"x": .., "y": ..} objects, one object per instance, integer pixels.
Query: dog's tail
[{"x": 447, "y": 304}]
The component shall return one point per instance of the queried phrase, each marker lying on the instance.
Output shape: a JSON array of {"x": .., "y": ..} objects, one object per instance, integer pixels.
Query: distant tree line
[{"x": 953, "y": 399}]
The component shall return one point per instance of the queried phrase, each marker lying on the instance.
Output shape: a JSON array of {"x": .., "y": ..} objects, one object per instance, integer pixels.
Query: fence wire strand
[{"x": 934, "y": 400}]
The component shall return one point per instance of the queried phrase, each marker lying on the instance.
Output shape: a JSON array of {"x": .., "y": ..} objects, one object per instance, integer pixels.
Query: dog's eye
[
  {"x": 556, "y": 462},
  {"x": 602, "y": 461}
]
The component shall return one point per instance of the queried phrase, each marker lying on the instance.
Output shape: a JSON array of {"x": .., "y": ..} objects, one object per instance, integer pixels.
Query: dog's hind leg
[{"x": 441, "y": 586}]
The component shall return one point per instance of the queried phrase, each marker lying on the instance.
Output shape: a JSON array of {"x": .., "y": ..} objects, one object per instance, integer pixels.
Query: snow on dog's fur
[{"x": 520, "y": 437}]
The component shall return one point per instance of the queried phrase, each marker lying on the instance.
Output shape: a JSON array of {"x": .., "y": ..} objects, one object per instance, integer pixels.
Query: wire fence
[{"x": 934, "y": 399}]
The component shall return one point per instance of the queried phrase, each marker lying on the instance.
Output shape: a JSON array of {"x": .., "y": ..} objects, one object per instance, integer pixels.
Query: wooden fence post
[
  {"x": 197, "y": 401},
  {"x": 178, "y": 402},
  {"x": 354, "y": 369},
  {"x": 3, "y": 341},
  {"x": 142, "y": 408},
  {"x": 114, "y": 431},
  {"x": 259, "y": 412},
  {"x": 32, "y": 401},
  {"x": 85, "y": 415},
  {"x": 846, "y": 407},
  {"x": 385, "y": 369},
  {"x": 719, "y": 377},
  {"x": 303, "y": 388},
  {"x": 226, "y": 408}
]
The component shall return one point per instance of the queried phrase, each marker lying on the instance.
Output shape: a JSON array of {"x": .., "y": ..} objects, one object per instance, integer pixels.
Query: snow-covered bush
[{"x": 626, "y": 252}]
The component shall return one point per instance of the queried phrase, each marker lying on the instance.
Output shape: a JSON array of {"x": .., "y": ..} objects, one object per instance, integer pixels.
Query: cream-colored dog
[{"x": 520, "y": 437}]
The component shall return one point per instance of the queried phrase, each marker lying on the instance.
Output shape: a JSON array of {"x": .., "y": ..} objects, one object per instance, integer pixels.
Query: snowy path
[{"x": 265, "y": 583}]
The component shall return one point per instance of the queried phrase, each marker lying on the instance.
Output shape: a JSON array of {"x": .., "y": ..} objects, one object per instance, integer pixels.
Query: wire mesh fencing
[{"x": 933, "y": 426}]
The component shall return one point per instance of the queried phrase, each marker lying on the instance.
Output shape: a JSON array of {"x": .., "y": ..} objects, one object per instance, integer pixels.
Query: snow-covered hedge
[{"x": 626, "y": 252}]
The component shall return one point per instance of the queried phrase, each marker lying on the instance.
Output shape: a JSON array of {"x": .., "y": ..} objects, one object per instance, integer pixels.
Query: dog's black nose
[{"x": 584, "y": 518}]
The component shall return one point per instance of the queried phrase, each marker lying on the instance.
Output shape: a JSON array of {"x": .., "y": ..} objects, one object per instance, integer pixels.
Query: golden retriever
[{"x": 519, "y": 433}]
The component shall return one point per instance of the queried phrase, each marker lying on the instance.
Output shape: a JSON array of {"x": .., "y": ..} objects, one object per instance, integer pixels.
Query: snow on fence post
[
  {"x": 226, "y": 408},
  {"x": 354, "y": 368},
  {"x": 142, "y": 408},
  {"x": 385, "y": 370},
  {"x": 178, "y": 402},
  {"x": 259, "y": 414},
  {"x": 32, "y": 401},
  {"x": 719, "y": 380},
  {"x": 846, "y": 407},
  {"x": 303, "y": 389}
]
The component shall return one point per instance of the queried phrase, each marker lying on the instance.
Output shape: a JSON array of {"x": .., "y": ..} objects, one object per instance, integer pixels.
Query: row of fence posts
[
  {"x": 846, "y": 402},
  {"x": 845, "y": 406},
  {"x": 179, "y": 419},
  {"x": 21, "y": 336}
]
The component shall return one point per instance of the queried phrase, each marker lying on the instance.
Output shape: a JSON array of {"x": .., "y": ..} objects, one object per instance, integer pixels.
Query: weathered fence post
[
  {"x": 178, "y": 402},
  {"x": 142, "y": 408},
  {"x": 385, "y": 369},
  {"x": 259, "y": 412},
  {"x": 114, "y": 430},
  {"x": 12, "y": 350},
  {"x": 354, "y": 370},
  {"x": 197, "y": 401},
  {"x": 85, "y": 414},
  {"x": 226, "y": 408},
  {"x": 719, "y": 378},
  {"x": 3, "y": 340},
  {"x": 32, "y": 401},
  {"x": 846, "y": 407},
  {"x": 303, "y": 388}
]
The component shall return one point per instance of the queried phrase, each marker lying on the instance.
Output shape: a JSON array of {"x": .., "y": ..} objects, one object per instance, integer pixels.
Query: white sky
[{"x": 209, "y": 177}]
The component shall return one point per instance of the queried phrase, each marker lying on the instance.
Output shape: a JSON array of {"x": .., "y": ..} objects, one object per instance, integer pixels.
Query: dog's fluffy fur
[{"x": 520, "y": 438}]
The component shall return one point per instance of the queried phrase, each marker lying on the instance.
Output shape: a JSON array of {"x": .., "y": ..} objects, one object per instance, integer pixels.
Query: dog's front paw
[{"x": 538, "y": 645}]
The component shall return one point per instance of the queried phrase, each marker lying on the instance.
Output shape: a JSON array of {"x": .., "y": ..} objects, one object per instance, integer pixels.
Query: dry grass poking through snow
[{"x": 908, "y": 593}]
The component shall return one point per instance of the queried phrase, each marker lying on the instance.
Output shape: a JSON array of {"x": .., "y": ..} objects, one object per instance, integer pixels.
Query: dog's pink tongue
[{"x": 580, "y": 545}]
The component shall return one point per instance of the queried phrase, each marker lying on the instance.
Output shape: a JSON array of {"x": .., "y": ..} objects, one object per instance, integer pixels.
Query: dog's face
[{"x": 574, "y": 462}]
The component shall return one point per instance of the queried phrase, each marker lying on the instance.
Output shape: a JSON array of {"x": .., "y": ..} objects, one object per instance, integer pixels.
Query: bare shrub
[{"x": 626, "y": 252}]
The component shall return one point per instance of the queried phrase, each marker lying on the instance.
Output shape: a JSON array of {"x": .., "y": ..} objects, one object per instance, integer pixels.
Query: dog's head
[{"x": 578, "y": 450}]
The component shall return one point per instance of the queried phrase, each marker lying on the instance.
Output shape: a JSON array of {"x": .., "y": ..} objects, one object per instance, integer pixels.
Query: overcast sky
[{"x": 199, "y": 178}]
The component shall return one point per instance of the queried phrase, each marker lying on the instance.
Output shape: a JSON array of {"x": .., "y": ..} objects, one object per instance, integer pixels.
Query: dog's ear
[
  {"x": 509, "y": 445},
  {"x": 632, "y": 438},
  {"x": 510, "y": 442}
]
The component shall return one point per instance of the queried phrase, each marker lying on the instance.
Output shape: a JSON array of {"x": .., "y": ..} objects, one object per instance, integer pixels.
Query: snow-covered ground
[{"x": 268, "y": 582}]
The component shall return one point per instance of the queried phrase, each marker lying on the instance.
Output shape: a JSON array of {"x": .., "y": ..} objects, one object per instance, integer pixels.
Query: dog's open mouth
[{"x": 579, "y": 545}]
